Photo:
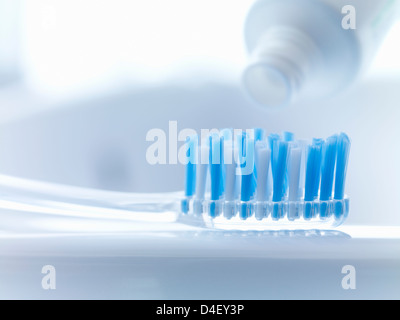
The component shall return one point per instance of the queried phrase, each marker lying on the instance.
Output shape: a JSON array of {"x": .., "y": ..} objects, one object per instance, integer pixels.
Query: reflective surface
[{"x": 174, "y": 261}]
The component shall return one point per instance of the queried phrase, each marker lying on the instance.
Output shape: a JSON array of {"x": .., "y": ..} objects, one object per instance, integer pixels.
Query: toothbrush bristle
[
  {"x": 262, "y": 160},
  {"x": 191, "y": 152},
  {"x": 313, "y": 168},
  {"x": 280, "y": 165},
  {"x": 254, "y": 175},
  {"x": 328, "y": 167},
  {"x": 215, "y": 170},
  {"x": 288, "y": 136},
  {"x": 259, "y": 134},
  {"x": 343, "y": 149}
]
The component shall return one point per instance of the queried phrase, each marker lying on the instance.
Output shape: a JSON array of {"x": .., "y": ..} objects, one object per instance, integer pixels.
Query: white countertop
[{"x": 175, "y": 261}]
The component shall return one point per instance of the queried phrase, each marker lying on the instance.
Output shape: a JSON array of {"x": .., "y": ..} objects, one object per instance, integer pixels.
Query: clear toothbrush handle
[{"x": 43, "y": 198}]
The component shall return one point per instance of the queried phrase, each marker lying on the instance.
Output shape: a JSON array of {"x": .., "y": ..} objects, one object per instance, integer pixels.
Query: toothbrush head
[{"x": 261, "y": 182}]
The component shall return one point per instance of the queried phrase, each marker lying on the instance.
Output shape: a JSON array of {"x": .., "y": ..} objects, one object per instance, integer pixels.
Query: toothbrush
[
  {"x": 239, "y": 196},
  {"x": 308, "y": 181}
]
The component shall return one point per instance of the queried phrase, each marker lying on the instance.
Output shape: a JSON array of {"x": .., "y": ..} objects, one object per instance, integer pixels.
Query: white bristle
[
  {"x": 262, "y": 161},
  {"x": 294, "y": 168},
  {"x": 302, "y": 144},
  {"x": 262, "y": 158},
  {"x": 294, "y": 173}
]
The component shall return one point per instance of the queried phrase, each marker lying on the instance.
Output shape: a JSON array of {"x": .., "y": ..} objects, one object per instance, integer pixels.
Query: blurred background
[{"x": 82, "y": 82}]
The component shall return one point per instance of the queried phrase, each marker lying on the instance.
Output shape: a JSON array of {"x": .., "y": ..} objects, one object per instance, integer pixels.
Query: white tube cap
[{"x": 279, "y": 66}]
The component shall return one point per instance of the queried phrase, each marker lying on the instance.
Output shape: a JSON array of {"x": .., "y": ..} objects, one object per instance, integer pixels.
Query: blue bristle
[
  {"x": 245, "y": 194},
  {"x": 223, "y": 169},
  {"x": 215, "y": 170},
  {"x": 308, "y": 192},
  {"x": 343, "y": 149},
  {"x": 313, "y": 167},
  {"x": 185, "y": 205},
  {"x": 246, "y": 191},
  {"x": 190, "y": 171},
  {"x": 288, "y": 136},
  {"x": 251, "y": 146},
  {"x": 191, "y": 152},
  {"x": 342, "y": 155},
  {"x": 259, "y": 134},
  {"x": 226, "y": 135},
  {"x": 279, "y": 173},
  {"x": 246, "y": 160},
  {"x": 280, "y": 166},
  {"x": 328, "y": 168},
  {"x": 313, "y": 173}
]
